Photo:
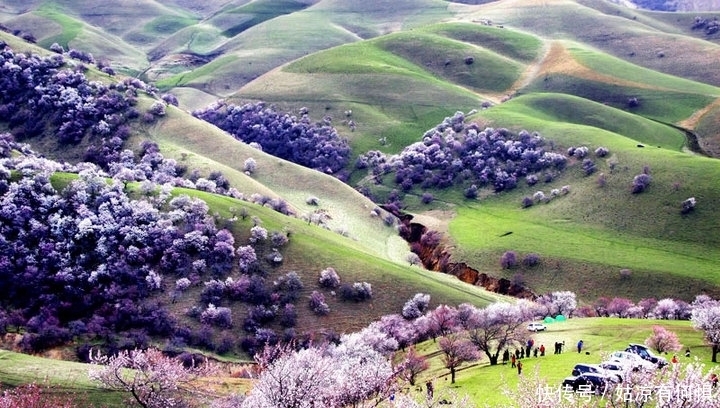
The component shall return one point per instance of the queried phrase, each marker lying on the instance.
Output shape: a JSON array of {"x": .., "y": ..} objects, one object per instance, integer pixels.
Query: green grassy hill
[{"x": 566, "y": 69}]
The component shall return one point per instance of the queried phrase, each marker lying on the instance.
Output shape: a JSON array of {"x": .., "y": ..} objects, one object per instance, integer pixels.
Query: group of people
[
  {"x": 521, "y": 353},
  {"x": 530, "y": 349}
]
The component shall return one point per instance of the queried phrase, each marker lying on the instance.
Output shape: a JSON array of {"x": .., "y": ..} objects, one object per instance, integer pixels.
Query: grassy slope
[
  {"x": 398, "y": 85},
  {"x": 359, "y": 246},
  {"x": 601, "y": 229},
  {"x": 63, "y": 377},
  {"x": 628, "y": 34}
]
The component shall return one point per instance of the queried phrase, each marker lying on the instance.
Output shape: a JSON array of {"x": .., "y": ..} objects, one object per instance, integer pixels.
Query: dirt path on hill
[
  {"x": 557, "y": 59},
  {"x": 692, "y": 121}
]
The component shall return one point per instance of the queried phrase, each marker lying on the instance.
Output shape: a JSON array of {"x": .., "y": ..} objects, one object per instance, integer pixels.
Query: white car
[
  {"x": 617, "y": 368},
  {"x": 536, "y": 327},
  {"x": 632, "y": 360}
]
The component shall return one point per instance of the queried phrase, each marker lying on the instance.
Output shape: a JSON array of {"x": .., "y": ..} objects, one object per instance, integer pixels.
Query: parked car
[
  {"x": 647, "y": 354},
  {"x": 617, "y": 368},
  {"x": 588, "y": 382},
  {"x": 633, "y": 360},
  {"x": 536, "y": 327},
  {"x": 583, "y": 368}
]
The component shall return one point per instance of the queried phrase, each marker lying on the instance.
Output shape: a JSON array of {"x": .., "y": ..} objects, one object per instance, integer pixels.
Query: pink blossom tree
[
  {"x": 457, "y": 350},
  {"x": 619, "y": 306},
  {"x": 663, "y": 340},
  {"x": 412, "y": 365},
  {"x": 442, "y": 320},
  {"x": 33, "y": 396}
]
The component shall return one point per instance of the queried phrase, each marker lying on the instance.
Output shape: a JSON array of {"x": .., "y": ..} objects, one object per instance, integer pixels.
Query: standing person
[
  {"x": 429, "y": 386},
  {"x": 535, "y": 352},
  {"x": 542, "y": 350},
  {"x": 580, "y": 346},
  {"x": 506, "y": 356},
  {"x": 687, "y": 352},
  {"x": 519, "y": 367},
  {"x": 522, "y": 352},
  {"x": 529, "y": 346},
  {"x": 674, "y": 359},
  {"x": 513, "y": 359}
]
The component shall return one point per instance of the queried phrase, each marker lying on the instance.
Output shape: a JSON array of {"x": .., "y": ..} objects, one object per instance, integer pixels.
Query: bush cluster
[
  {"x": 456, "y": 153},
  {"x": 40, "y": 95},
  {"x": 313, "y": 145}
]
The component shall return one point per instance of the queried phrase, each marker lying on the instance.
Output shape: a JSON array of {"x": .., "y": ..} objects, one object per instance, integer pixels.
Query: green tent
[
  {"x": 548, "y": 320},
  {"x": 560, "y": 318}
]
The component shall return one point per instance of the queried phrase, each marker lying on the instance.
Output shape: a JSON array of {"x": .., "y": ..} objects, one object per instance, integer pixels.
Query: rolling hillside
[{"x": 580, "y": 73}]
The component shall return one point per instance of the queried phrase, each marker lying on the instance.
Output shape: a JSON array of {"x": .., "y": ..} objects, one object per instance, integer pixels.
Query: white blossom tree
[
  {"x": 348, "y": 374},
  {"x": 153, "y": 379},
  {"x": 495, "y": 327},
  {"x": 706, "y": 317}
]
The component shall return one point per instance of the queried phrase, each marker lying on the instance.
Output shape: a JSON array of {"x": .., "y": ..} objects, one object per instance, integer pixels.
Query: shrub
[
  {"x": 601, "y": 151},
  {"x": 182, "y": 284},
  {"x": 170, "y": 99},
  {"x": 318, "y": 305},
  {"x": 640, "y": 183},
  {"x": 431, "y": 239},
  {"x": 531, "y": 260},
  {"x": 55, "y": 47},
  {"x": 218, "y": 316},
  {"x": 471, "y": 192},
  {"x": 250, "y": 165},
  {"x": 588, "y": 167},
  {"x": 358, "y": 291},
  {"x": 581, "y": 152},
  {"x": 539, "y": 196},
  {"x": 601, "y": 180},
  {"x": 527, "y": 202},
  {"x": 427, "y": 198},
  {"x": 508, "y": 260},
  {"x": 258, "y": 234},
  {"x": 413, "y": 258},
  {"x": 157, "y": 109},
  {"x": 278, "y": 238},
  {"x": 688, "y": 205},
  {"x": 416, "y": 307},
  {"x": 329, "y": 278}
]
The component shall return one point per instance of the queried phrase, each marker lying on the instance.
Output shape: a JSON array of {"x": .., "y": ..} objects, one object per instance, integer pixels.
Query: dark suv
[
  {"x": 582, "y": 368},
  {"x": 644, "y": 352},
  {"x": 588, "y": 382}
]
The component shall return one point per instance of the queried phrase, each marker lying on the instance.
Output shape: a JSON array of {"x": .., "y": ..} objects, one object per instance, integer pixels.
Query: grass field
[{"x": 485, "y": 384}]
